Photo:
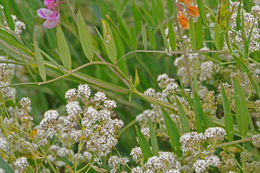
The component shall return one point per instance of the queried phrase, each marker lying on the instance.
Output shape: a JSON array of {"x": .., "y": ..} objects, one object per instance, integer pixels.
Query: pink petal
[
  {"x": 45, "y": 13},
  {"x": 49, "y": 24}
]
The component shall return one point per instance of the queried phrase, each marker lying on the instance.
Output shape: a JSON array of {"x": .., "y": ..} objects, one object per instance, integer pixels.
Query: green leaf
[
  {"x": 219, "y": 36},
  {"x": 193, "y": 34},
  {"x": 242, "y": 113},
  {"x": 159, "y": 10},
  {"x": 109, "y": 42},
  {"x": 8, "y": 16},
  {"x": 152, "y": 38},
  {"x": 144, "y": 37},
  {"x": 202, "y": 12},
  {"x": 227, "y": 115},
  {"x": 39, "y": 61},
  {"x": 202, "y": 121},
  {"x": 154, "y": 143},
  {"x": 183, "y": 118},
  {"x": 133, "y": 40},
  {"x": 144, "y": 145},
  {"x": 85, "y": 37},
  {"x": 63, "y": 47},
  {"x": 238, "y": 19},
  {"x": 164, "y": 38},
  {"x": 11, "y": 40},
  {"x": 137, "y": 18},
  {"x": 199, "y": 34},
  {"x": 172, "y": 38},
  {"x": 5, "y": 166},
  {"x": 172, "y": 132},
  {"x": 248, "y": 5},
  {"x": 170, "y": 7}
]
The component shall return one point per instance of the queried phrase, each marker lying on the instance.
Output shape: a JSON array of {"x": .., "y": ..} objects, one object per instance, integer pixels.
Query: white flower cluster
[
  {"x": 6, "y": 93},
  {"x": 21, "y": 165},
  {"x": 92, "y": 124},
  {"x": 250, "y": 27},
  {"x": 115, "y": 162},
  {"x": 164, "y": 162},
  {"x": 256, "y": 140},
  {"x": 201, "y": 166}
]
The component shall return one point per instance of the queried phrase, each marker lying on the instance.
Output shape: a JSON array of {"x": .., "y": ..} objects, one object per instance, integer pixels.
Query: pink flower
[
  {"x": 52, "y": 17},
  {"x": 50, "y": 4}
]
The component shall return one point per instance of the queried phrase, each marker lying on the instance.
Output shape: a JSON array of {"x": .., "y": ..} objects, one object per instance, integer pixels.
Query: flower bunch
[{"x": 51, "y": 13}]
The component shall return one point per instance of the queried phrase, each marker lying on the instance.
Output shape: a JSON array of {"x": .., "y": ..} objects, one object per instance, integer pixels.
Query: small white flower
[
  {"x": 99, "y": 97},
  {"x": 84, "y": 91},
  {"x": 200, "y": 166}
]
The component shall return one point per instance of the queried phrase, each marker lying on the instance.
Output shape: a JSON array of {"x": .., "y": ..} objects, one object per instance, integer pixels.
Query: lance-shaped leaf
[
  {"x": 202, "y": 12},
  {"x": 8, "y": 16},
  {"x": 39, "y": 61},
  {"x": 202, "y": 121},
  {"x": 173, "y": 133},
  {"x": 109, "y": 42},
  {"x": 227, "y": 115},
  {"x": 144, "y": 145},
  {"x": 243, "y": 115},
  {"x": 183, "y": 117},
  {"x": 152, "y": 38},
  {"x": 63, "y": 47},
  {"x": 85, "y": 38},
  {"x": 172, "y": 38},
  {"x": 154, "y": 143},
  {"x": 137, "y": 18}
]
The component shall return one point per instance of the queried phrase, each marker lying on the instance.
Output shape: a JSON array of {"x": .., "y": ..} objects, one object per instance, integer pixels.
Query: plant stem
[
  {"x": 182, "y": 46},
  {"x": 232, "y": 143}
]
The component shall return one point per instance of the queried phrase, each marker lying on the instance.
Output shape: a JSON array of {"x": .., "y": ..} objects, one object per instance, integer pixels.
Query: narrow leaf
[
  {"x": 144, "y": 145},
  {"x": 172, "y": 38},
  {"x": 202, "y": 121},
  {"x": 227, "y": 115},
  {"x": 144, "y": 37},
  {"x": 63, "y": 47},
  {"x": 202, "y": 12},
  {"x": 85, "y": 37},
  {"x": 137, "y": 18},
  {"x": 199, "y": 34},
  {"x": 170, "y": 7},
  {"x": 193, "y": 35},
  {"x": 172, "y": 132},
  {"x": 152, "y": 38},
  {"x": 109, "y": 42},
  {"x": 39, "y": 61},
  {"x": 159, "y": 10},
  {"x": 183, "y": 118},
  {"x": 219, "y": 36},
  {"x": 8, "y": 16},
  {"x": 154, "y": 143},
  {"x": 242, "y": 112}
]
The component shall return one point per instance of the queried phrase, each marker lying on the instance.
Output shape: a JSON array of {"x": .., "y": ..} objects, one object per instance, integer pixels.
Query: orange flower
[
  {"x": 187, "y": 2},
  {"x": 193, "y": 11},
  {"x": 184, "y": 22}
]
